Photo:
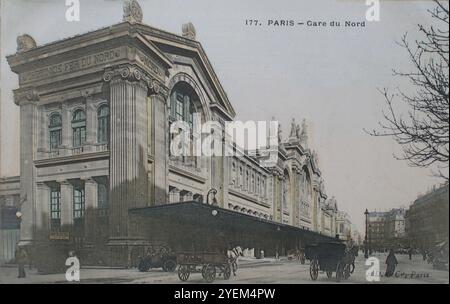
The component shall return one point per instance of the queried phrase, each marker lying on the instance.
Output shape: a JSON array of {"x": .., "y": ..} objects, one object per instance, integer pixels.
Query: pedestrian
[
  {"x": 391, "y": 262},
  {"x": 21, "y": 257},
  {"x": 410, "y": 252}
]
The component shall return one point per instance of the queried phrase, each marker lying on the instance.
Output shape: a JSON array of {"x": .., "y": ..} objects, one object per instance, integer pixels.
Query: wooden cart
[{"x": 209, "y": 264}]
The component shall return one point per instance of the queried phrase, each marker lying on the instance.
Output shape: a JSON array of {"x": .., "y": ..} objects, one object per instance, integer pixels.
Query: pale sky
[{"x": 327, "y": 75}]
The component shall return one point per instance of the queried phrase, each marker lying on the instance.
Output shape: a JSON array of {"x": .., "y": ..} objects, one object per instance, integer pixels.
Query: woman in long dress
[{"x": 391, "y": 262}]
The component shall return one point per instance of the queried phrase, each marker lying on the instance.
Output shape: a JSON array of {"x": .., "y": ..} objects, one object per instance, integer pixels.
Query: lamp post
[{"x": 366, "y": 245}]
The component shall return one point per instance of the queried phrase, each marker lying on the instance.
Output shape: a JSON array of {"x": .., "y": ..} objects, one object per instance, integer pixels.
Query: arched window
[
  {"x": 182, "y": 104},
  {"x": 79, "y": 128},
  {"x": 103, "y": 124},
  {"x": 55, "y": 127},
  {"x": 233, "y": 174}
]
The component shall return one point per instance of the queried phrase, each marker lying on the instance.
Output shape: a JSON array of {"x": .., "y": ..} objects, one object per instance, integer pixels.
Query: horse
[{"x": 233, "y": 256}]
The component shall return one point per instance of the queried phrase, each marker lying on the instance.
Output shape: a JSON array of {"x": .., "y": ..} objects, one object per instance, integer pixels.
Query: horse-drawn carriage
[
  {"x": 330, "y": 257},
  {"x": 209, "y": 264}
]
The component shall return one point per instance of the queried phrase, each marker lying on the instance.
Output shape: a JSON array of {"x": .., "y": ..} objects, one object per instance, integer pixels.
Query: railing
[
  {"x": 77, "y": 150},
  {"x": 74, "y": 151},
  {"x": 187, "y": 164}
]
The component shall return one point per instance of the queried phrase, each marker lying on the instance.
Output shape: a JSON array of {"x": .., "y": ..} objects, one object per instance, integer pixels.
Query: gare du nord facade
[{"x": 95, "y": 167}]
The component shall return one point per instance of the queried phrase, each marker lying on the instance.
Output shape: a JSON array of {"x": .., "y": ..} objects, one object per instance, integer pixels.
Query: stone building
[
  {"x": 9, "y": 223},
  {"x": 376, "y": 230},
  {"x": 343, "y": 226},
  {"x": 95, "y": 115},
  {"x": 427, "y": 219},
  {"x": 394, "y": 229}
]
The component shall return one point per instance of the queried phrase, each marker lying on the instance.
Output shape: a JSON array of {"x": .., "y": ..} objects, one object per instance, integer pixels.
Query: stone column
[
  {"x": 128, "y": 89},
  {"x": 27, "y": 99},
  {"x": 42, "y": 207},
  {"x": 174, "y": 195},
  {"x": 66, "y": 203}
]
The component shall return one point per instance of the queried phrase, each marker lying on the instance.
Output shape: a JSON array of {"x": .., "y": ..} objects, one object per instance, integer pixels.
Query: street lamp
[{"x": 366, "y": 245}]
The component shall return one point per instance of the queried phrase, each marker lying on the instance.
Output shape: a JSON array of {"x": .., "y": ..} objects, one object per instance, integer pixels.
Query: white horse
[{"x": 233, "y": 256}]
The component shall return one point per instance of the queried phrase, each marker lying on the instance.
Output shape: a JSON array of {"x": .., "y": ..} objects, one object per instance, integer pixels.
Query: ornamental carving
[
  {"x": 135, "y": 74},
  {"x": 26, "y": 95}
]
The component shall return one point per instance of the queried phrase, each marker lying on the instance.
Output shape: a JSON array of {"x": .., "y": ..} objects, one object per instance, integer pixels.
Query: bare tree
[{"x": 423, "y": 132}]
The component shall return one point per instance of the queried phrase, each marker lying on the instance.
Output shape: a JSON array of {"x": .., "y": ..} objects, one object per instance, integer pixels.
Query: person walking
[
  {"x": 21, "y": 257},
  {"x": 391, "y": 262},
  {"x": 410, "y": 252}
]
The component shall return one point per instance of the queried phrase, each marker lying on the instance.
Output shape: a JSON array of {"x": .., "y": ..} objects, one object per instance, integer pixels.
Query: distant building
[
  {"x": 427, "y": 220},
  {"x": 394, "y": 228},
  {"x": 343, "y": 226},
  {"x": 9, "y": 224},
  {"x": 376, "y": 230}
]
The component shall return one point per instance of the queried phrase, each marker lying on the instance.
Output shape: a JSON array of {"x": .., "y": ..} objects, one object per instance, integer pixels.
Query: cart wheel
[
  {"x": 227, "y": 272},
  {"x": 329, "y": 274},
  {"x": 209, "y": 273},
  {"x": 339, "y": 272},
  {"x": 204, "y": 268},
  {"x": 183, "y": 273},
  {"x": 143, "y": 265},
  {"x": 169, "y": 266},
  {"x": 314, "y": 269}
]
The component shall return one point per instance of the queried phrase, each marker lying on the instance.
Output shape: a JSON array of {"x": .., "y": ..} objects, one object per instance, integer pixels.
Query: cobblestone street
[{"x": 250, "y": 271}]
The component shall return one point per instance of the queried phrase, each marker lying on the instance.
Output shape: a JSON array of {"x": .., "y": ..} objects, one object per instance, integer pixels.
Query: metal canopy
[{"x": 217, "y": 218}]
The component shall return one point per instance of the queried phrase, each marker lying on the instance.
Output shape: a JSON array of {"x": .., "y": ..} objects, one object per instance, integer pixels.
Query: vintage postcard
[{"x": 224, "y": 142}]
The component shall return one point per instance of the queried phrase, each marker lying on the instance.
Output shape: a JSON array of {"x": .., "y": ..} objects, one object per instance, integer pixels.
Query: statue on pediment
[
  {"x": 25, "y": 42},
  {"x": 188, "y": 31},
  {"x": 304, "y": 134},
  {"x": 293, "y": 129},
  {"x": 132, "y": 11},
  {"x": 280, "y": 134},
  {"x": 298, "y": 131}
]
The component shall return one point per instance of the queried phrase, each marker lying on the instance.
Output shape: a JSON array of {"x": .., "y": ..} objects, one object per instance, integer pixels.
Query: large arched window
[
  {"x": 79, "y": 128},
  {"x": 306, "y": 196},
  {"x": 55, "y": 127},
  {"x": 183, "y": 101},
  {"x": 103, "y": 124}
]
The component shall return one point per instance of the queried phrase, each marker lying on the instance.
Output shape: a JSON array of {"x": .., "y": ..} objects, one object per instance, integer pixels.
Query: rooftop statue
[
  {"x": 25, "y": 42},
  {"x": 132, "y": 11},
  {"x": 189, "y": 31}
]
